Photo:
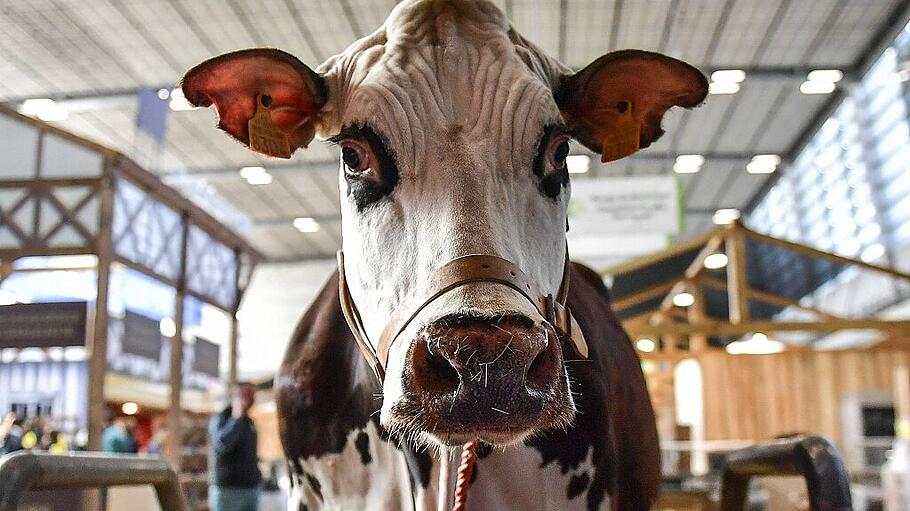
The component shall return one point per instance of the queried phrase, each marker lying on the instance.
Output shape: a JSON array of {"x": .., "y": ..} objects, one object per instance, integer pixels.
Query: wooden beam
[
  {"x": 729, "y": 329},
  {"x": 773, "y": 299},
  {"x": 672, "y": 358},
  {"x": 675, "y": 249},
  {"x": 642, "y": 295},
  {"x": 697, "y": 266},
  {"x": 737, "y": 278},
  {"x": 16, "y": 253},
  {"x": 49, "y": 183},
  {"x": 825, "y": 255}
]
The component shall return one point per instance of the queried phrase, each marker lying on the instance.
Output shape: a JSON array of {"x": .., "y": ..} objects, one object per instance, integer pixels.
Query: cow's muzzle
[{"x": 473, "y": 376}]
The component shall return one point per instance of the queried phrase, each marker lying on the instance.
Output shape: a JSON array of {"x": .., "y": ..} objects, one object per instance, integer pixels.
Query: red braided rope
[{"x": 465, "y": 471}]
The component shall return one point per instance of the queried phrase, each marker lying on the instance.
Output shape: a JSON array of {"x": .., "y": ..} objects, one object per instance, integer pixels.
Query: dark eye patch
[
  {"x": 371, "y": 187},
  {"x": 551, "y": 182}
]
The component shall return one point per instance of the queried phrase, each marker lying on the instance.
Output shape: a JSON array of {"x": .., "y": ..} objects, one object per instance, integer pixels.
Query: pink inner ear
[
  {"x": 234, "y": 81},
  {"x": 652, "y": 87},
  {"x": 653, "y": 83}
]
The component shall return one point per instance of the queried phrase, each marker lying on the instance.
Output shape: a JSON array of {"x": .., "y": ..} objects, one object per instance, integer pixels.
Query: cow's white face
[
  {"x": 453, "y": 132},
  {"x": 451, "y": 145}
]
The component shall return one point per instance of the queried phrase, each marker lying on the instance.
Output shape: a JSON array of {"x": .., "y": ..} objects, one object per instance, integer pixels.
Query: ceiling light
[
  {"x": 178, "y": 101},
  {"x": 306, "y": 224},
  {"x": 578, "y": 163},
  {"x": 683, "y": 299},
  {"x": 723, "y": 88},
  {"x": 825, "y": 75},
  {"x": 763, "y": 164},
  {"x": 167, "y": 327},
  {"x": 256, "y": 175},
  {"x": 758, "y": 344},
  {"x": 872, "y": 252},
  {"x": 45, "y": 109},
  {"x": 129, "y": 408},
  {"x": 728, "y": 75},
  {"x": 260, "y": 179},
  {"x": 817, "y": 87},
  {"x": 716, "y": 261},
  {"x": 688, "y": 163},
  {"x": 725, "y": 216},
  {"x": 248, "y": 172},
  {"x": 645, "y": 345}
]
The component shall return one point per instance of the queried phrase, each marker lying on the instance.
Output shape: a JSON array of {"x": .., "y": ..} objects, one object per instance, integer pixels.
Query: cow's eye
[
  {"x": 557, "y": 151},
  {"x": 550, "y": 162},
  {"x": 356, "y": 156}
]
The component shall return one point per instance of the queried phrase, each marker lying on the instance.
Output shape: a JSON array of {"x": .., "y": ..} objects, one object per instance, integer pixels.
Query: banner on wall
[
  {"x": 141, "y": 336},
  {"x": 625, "y": 205},
  {"x": 206, "y": 355},
  {"x": 43, "y": 325}
]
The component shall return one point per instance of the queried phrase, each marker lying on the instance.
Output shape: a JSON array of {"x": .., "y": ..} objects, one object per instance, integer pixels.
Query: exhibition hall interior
[{"x": 454, "y": 254}]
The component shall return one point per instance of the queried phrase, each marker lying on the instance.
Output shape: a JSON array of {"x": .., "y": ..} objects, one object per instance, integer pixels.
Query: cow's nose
[{"x": 488, "y": 370}]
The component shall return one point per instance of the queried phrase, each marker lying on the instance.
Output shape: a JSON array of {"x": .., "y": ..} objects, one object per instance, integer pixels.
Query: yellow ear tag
[
  {"x": 623, "y": 134},
  {"x": 265, "y": 137}
]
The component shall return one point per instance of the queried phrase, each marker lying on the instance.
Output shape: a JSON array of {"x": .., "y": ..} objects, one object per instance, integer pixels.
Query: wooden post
[
  {"x": 737, "y": 279},
  {"x": 97, "y": 345},
  {"x": 697, "y": 341},
  {"x": 232, "y": 362},
  {"x": 175, "y": 412}
]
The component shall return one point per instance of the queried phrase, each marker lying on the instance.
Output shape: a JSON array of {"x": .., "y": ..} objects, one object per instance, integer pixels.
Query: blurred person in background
[
  {"x": 117, "y": 437},
  {"x": 11, "y": 434},
  {"x": 233, "y": 464},
  {"x": 54, "y": 442},
  {"x": 32, "y": 430}
]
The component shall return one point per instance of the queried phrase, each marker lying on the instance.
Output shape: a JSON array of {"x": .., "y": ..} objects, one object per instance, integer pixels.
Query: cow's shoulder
[
  {"x": 322, "y": 390},
  {"x": 615, "y": 427},
  {"x": 326, "y": 395}
]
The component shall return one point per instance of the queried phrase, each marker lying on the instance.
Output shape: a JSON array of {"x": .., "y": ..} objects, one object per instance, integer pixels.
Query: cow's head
[{"x": 453, "y": 133}]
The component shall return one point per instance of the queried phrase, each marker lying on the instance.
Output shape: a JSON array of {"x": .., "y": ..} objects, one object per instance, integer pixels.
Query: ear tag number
[
  {"x": 265, "y": 137},
  {"x": 623, "y": 133}
]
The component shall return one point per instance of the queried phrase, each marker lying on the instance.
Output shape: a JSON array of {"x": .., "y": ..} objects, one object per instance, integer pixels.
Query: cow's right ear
[
  {"x": 265, "y": 98},
  {"x": 615, "y": 105}
]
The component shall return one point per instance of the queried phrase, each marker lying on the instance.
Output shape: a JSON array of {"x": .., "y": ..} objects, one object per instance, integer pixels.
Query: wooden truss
[
  {"x": 683, "y": 332},
  {"x": 125, "y": 215}
]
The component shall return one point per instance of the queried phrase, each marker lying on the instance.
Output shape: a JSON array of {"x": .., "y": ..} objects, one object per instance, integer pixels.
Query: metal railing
[
  {"x": 812, "y": 457},
  {"x": 22, "y": 471}
]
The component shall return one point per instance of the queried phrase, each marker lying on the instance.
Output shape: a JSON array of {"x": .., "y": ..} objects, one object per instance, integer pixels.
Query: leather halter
[{"x": 456, "y": 273}]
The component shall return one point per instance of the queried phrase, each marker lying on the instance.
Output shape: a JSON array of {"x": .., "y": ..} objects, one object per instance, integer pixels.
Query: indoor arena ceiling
[{"x": 91, "y": 57}]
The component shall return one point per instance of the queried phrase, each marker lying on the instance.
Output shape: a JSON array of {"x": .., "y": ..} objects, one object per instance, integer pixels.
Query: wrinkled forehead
[{"x": 439, "y": 69}]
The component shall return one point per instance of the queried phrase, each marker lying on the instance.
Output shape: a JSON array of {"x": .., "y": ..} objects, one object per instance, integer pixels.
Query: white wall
[{"x": 276, "y": 298}]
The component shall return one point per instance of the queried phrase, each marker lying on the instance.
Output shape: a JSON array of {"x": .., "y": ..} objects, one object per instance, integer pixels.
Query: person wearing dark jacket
[{"x": 233, "y": 464}]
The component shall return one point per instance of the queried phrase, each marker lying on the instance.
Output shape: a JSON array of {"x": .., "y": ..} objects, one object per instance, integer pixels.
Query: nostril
[
  {"x": 432, "y": 371},
  {"x": 542, "y": 370}
]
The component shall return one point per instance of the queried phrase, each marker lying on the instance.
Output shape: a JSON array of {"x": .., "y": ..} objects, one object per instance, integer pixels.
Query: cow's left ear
[
  {"x": 615, "y": 105},
  {"x": 266, "y": 98}
]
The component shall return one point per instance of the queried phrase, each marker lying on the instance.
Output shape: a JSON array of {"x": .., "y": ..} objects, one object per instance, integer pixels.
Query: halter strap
[{"x": 456, "y": 273}]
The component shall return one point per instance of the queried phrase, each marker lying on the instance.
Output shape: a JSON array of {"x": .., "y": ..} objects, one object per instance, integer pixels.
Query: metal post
[
  {"x": 815, "y": 458},
  {"x": 23, "y": 470}
]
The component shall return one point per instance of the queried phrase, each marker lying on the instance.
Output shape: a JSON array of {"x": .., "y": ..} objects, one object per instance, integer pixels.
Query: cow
[{"x": 455, "y": 316}]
